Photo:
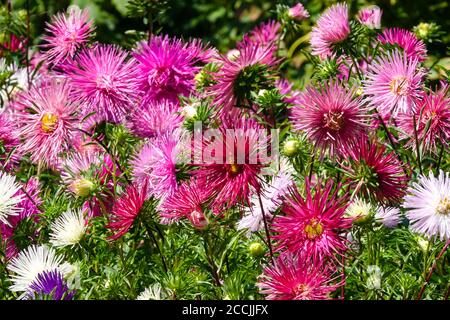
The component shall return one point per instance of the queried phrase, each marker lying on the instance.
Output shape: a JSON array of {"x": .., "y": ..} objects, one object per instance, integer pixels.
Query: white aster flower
[
  {"x": 389, "y": 217},
  {"x": 30, "y": 262},
  {"x": 68, "y": 229},
  {"x": 428, "y": 202},
  {"x": 9, "y": 199},
  {"x": 358, "y": 210},
  {"x": 151, "y": 293}
]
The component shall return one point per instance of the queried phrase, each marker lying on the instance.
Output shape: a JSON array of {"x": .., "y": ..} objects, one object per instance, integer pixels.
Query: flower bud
[
  {"x": 291, "y": 147},
  {"x": 82, "y": 187},
  {"x": 198, "y": 220},
  {"x": 256, "y": 249}
]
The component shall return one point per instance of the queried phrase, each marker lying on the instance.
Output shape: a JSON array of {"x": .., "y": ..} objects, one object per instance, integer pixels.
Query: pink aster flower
[
  {"x": 158, "y": 162},
  {"x": 126, "y": 209},
  {"x": 238, "y": 77},
  {"x": 28, "y": 209},
  {"x": 231, "y": 164},
  {"x": 9, "y": 143},
  {"x": 298, "y": 277},
  {"x": 332, "y": 27},
  {"x": 375, "y": 174},
  {"x": 312, "y": 224},
  {"x": 428, "y": 205},
  {"x": 432, "y": 121},
  {"x": 331, "y": 117},
  {"x": 388, "y": 216},
  {"x": 394, "y": 84},
  {"x": 264, "y": 35},
  {"x": 49, "y": 122},
  {"x": 167, "y": 68},
  {"x": 67, "y": 35},
  {"x": 155, "y": 118},
  {"x": 187, "y": 202},
  {"x": 104, "y": 81},
  {"x": 414, "y": 48},
  {"x": 298, "y": 12},
  {"x": 370, "y": 17}
]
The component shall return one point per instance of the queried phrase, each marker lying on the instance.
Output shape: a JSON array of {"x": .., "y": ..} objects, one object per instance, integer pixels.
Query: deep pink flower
[
  {"x": 155, "y": 118},
  {"x": 264, "y": 35},
  {"x": 230, "y": 165},
  {"x": 187, "y": 202},
  {"x": 126, "y": 209},
  {"x": 432, "y": 121},
  {"x": 394, "y": 84},
  {"x": 48, "y": 121},
  {"x": 67, "y": 35},
  {"x": 9, "y": 141},
  {"x": 298, "y": 277},
  {"x": 28, "y": 208},
  {"x": 104, "y": 82},
  {"x": 239, "y": 76},
  {"x": 370, "y": 17},
  {"x": 13, "y": 44},
  {"x": 313, "y": 224},
  {"x": 167, "y": 67},
  {"x": 332, "y": 118},
  {"x": 298, "y": 12},
  {"x": 332, "y": 27},
  {"x": 414, "y": 48},
  {"x": 375, "y": 174}
]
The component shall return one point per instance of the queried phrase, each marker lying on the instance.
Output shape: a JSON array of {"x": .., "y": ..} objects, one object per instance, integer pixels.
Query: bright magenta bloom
[
  {"x": 394, "y": 84},
  {"x": 432, "y": 121},
  {"x": 187, "y": 202},
  {"x": 104, "y": 82},
  {"x": 167, "y": 67},
  {"x": 332, "y": 27},
  {"x": 414, "y": 48},
  {"x": 241, "y": 75},
  {"x": 263, "y": 35},
  {"x": 126, "y": 209},
  {"x": 155, "y": 118},
  {"x": 312, "y": 224},
  {"x": 48, "y": 121},
  {"x": 67, "y": 35},
  {"x": 370, "y": 17},
  {"x": 9, "y": 156},
  {"x": 232, "y": 172},
  {"x": 331, "y": 117},
  {"x": 377, "y": 175},
  {"x": 298, "y": 277}
]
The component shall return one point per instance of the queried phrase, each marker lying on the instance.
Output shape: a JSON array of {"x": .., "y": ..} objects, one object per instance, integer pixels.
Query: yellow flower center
[
  {"x": 399, "y": 85},
  {"x": 444, "y": 206},
  {"x": 301, "y": 290},
  {"x": 49, "y": 122},
  {"x": 314, "y": 229},
  {"x": 235, "y": 168},
  {"x": 334, "y": 120}
]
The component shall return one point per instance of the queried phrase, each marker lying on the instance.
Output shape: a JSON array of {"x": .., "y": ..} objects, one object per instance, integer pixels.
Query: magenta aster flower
[
  {"x": 298, "y": 12},
  {"x": 155, "y": 118},
  {"x": 312, "y": 224},
  {"x": 332, "y": 118},
  {"x": 263, "y": 35},
  {"x": 428, "y": 205},
  {"x": 375, "y": 174},
  {"x": 67, "y": 35},
  {"x": 298, "y": 277},
  {"x": 370, "y": 17},
  {"x": 48, "y": 126},
  {"x": 167, "y": 67},
  {"x": 249, "y": 72},
  {"x": 104, "y": 82},
  {"x": 126, "y": 209},
  {"x": 394, "y": 84},
  {"x": 9, "y": 142},
  {"x": 230, "y": 165},
  {"x": 432, "y": 121},
  {"x": 332, "y": 27},
  {"x": 187, "y": 202},
  {"x": 413, "y": 48}
]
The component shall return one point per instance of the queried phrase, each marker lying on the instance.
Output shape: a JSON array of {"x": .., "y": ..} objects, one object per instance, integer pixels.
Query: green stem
[{"x": 419, "y": 161}]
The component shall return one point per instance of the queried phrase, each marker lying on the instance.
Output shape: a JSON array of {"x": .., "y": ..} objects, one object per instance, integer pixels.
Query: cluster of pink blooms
[{"x": 84, "y": 84}]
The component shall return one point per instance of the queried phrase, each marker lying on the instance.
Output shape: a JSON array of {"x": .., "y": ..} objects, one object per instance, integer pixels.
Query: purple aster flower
[
  {"x": 67, "y": 35},
  {"x": 104, "y": 82},
  {"x": 49, "y": 285},
  {"x": 388, "y": 216},
  {"x": 414, "y": 48}
]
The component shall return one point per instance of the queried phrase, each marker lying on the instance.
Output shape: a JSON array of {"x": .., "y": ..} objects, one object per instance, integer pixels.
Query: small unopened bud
[
  {"x": 256, "y": 249},
  {"x": 189, "y": 111},
  {"x": 82, "y": 187},
  {"x": 291, "y": 147},
  {"x": 198, "y": 220}
]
